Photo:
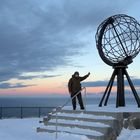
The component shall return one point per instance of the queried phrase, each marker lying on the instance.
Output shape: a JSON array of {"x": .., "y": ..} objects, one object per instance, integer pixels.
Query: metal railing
[
  {"x": 24, "y": 112},
  {"x": 57, "y": 109}
]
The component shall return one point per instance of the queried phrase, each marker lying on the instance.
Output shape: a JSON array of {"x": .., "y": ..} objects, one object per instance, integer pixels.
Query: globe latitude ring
[{"x": 118, "y": 40}]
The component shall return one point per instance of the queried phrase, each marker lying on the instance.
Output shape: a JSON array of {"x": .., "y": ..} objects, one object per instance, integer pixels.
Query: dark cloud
[
  {"x": 103, "y": 83},
  {"x": 42, "y": 35},
  {"x": 9, "y": 85},
  {"x": 38, "y": 76},
  {"x": 95, "y": 83}
]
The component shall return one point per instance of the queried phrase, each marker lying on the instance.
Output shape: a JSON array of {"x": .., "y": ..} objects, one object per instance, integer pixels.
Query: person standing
[{"x": 74, "y": 86}]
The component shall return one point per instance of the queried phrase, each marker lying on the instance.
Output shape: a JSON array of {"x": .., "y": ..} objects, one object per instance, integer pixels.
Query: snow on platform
[
  {"x": 109, "y": 108},
  {"x": 83, "y": 115}
]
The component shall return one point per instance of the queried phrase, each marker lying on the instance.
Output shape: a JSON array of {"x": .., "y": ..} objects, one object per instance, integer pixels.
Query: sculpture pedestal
[{"x": 119, "y": 71}]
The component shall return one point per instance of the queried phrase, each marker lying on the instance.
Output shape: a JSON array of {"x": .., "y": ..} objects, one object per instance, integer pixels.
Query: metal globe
[{"x": 118, "y": 39}]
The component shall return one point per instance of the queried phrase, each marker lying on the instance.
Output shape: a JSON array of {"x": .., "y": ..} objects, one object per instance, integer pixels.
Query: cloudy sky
[{"x": 42, "y": 43}]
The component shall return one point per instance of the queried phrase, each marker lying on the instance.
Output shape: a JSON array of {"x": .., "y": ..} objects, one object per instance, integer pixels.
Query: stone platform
[{"x": 95, "y": 124}]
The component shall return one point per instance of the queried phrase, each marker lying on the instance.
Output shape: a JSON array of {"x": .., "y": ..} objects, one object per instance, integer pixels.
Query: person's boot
[
  {"x": 74, "y": 108},
  {"x": 82, "y": 108}
]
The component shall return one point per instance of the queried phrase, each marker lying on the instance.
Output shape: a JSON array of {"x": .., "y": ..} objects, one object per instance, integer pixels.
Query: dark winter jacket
[{"x": 74, "y": 83}]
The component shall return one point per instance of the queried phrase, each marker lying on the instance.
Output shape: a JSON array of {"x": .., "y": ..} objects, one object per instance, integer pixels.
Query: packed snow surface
[
  {"x": 127, "y": 134},
  {"x": 25, "y": 129},
  {"x": 109, "y": 108}
]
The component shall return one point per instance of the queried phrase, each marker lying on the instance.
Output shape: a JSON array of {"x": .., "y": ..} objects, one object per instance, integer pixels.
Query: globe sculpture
[{"x": 118, "y": 42}]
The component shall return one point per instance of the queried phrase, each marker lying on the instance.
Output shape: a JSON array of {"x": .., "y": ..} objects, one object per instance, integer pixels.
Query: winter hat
[{"x": 76, "y": 73}]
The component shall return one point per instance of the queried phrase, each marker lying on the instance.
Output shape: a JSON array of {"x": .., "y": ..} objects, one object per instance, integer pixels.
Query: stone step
[
  {"x": 91, "y": 136},
  {"x": 105, "y": 121},
  {"x": 110, "y": 130},
  {"x": 85, "y": 123},
  {"x": 97, "y": 113},
  {"x": 85, "y": 114},
  {"x": 103, "y": 117},
  {"x": 103, "y": 130}
]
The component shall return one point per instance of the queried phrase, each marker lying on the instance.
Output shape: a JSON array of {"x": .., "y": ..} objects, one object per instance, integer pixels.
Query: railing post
[
  {"x": 21, "y": 113},
  {"x": 56, "y": 124},
  {"x": 1, "y": 112},
  {"x": 39, "y": 111},
  {"x": 85, "y": 100}
]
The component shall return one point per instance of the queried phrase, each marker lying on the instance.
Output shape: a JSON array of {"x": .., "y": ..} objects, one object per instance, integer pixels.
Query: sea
[{"x": 24, "y": 107}]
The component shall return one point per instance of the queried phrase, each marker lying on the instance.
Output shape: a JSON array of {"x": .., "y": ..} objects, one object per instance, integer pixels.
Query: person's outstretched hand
[{"x": 88, "y": 73}]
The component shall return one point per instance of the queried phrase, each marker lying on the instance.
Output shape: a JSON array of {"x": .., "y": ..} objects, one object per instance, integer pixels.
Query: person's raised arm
[{"x": 84, "y": 77}]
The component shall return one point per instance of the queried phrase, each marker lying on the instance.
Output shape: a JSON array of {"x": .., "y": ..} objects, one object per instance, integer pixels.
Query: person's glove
[{"x": 88, "y": 73}]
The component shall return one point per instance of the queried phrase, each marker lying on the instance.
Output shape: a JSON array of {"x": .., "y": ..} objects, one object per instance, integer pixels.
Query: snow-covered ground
[
  {"x": 127, "y": 134},
  {"x": 25, "y": 129}
]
